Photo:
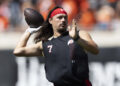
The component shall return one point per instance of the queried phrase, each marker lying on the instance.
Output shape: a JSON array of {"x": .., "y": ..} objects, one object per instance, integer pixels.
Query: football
[{"x": 33, "y": 18}]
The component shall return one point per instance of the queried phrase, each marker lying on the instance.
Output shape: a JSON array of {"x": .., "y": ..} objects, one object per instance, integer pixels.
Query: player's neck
[
  {"x": 59, "y": 33},
  {"x": 56, "y": 34}
]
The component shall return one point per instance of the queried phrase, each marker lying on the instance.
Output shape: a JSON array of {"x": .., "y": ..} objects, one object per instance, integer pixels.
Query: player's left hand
[{"x": 73, "y": 30}]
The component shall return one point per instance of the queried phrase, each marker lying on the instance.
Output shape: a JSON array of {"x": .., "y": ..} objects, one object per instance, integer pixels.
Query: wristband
[{"x": 76, "y": 38}]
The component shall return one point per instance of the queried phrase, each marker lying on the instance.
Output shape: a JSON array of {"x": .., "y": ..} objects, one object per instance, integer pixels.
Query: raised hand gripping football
[{"x": 34, "y": 19}]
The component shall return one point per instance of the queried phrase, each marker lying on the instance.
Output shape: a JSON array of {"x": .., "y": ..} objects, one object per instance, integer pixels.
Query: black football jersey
[{"x": 65, "y": 60}]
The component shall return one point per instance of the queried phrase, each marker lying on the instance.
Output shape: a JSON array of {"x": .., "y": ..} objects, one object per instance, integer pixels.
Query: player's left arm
[
  {"x": 87, "y": 42},
  {"x": 83, "y": 38}
]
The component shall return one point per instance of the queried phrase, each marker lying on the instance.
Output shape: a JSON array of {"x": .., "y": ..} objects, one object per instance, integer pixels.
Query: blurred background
[{"x": 101, "y": 18}]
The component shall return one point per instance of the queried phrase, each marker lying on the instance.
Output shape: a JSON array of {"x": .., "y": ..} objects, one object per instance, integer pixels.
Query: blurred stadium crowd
[{"x": 90, "y": 14}]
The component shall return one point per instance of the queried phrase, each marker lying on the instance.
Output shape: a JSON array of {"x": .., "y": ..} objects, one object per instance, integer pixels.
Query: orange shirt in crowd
[
  {"x": 83, "y": 5},
  {"x": 87, "y": 19},
  {"x": 71, "y": 8},
  {"x": 3, "y": 23},
  {"x": 112, "y": 1}
]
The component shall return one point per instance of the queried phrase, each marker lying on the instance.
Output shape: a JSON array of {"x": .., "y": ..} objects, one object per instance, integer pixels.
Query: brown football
[{"x": 33, "y": 18}]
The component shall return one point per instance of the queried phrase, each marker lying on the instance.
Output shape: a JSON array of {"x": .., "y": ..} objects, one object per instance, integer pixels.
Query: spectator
[
  {"x": 87, "y": 20},
  {"x": 3, "y": 23},
  {"x": 4, "y": 15},
  {"x": 104, "y": 17},
  {"x": 43, "y": 8},
  {"x": 71, "y": 8},
  {"x": 15, "y": 9}
]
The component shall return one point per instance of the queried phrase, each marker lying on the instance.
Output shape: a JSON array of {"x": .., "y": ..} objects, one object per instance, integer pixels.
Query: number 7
[{"x": 50, "y": 48}]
